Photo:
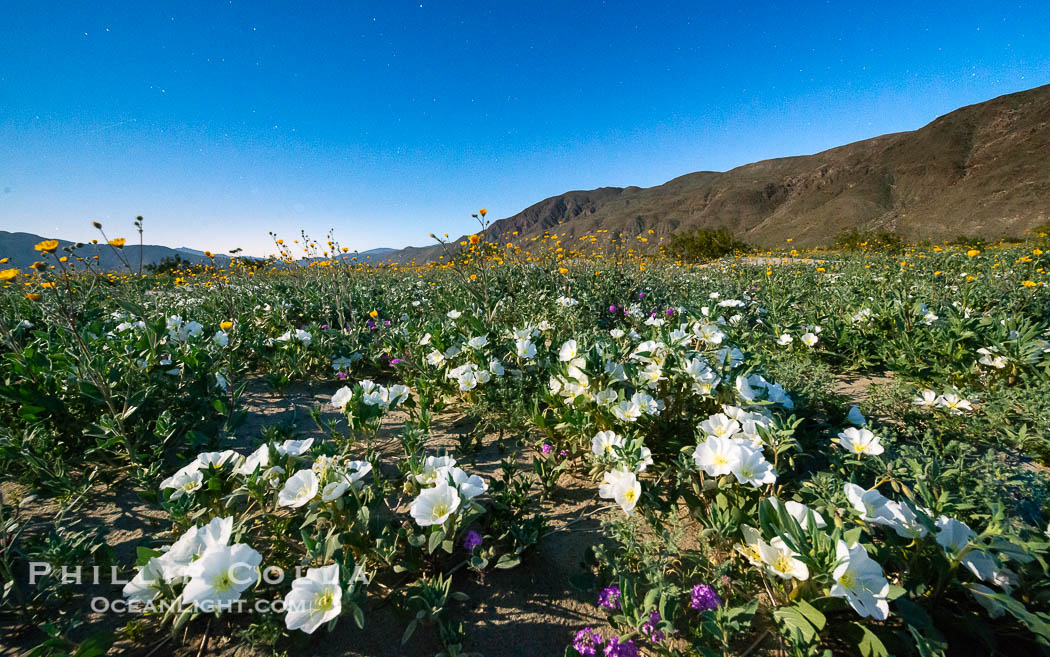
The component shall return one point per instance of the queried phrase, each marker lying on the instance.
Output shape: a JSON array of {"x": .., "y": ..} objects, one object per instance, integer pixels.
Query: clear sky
[{"x": 220, "y": 121}]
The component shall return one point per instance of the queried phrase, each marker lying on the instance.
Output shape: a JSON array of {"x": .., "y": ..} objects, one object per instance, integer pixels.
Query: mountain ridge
[{"x": 978, "y": 171}]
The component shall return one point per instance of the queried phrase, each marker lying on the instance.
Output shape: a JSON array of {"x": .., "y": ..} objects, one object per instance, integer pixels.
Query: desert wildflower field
[{"x": 528, "y": 451}]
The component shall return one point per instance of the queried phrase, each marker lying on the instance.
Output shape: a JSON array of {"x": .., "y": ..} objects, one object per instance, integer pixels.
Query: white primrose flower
[
  {"x": 785, "y": 339},
  {"x": 294, "y": 447},
  {"x": 453, "y": 314},
  {"x": 858, "y": 579},
  {"x": 314, "y": 600},
  {"x": 568, "y": 351},
  {"x": 477, "y": 342},
  {"x": 606, "y": 397},
  {"x": 809, "y": 339},
  {"x": 219, "y": 577},
  {"x": 709, "y": 333},
  {"x": 717, "y": 456},
  {"x": 781, "y": 561},
  {"x": 435, "y": 358},
  {"x": 425, "y": 340},
  {"x": 627, "y": 411},
  {"x": 468, "y": 486},
  {"x": 221, "y": 338},
  {"x": 953, "y": 535},
  {"x": 955, "y": 404},
  {"x": 496, "y": 367},
  {"x": 298, "y": 490},
  {"x": 184, "y": 483},
  {"x": 341, "y": 397},
  {"x": 434, "y": 505},
  {"x": 648, "y": 404},
  {"x": 603, "y": 442},
  {"x": 926, "y": 398},
  {"x": 566, "y": 302},
  {"x": 752, "y": 468},
  {"x": 525, "y": 349},
  {"x": 905, "y": 521},
  {"x": 434, "y": 468},
  {"x": 871, "y": 504},
  {"x": 720, "y": 425},
  {"x": 800, "y": 512},
  {"x": 750, "y": 547},
  {"x": 616, "y": 333},
  {"x": 860, "y": 441},
  {"x": 856, "y": 417},
  {"x": 991, "y": 357},
  {"x": 143, "y": 587},
  {"x": 622, "y": 487}
]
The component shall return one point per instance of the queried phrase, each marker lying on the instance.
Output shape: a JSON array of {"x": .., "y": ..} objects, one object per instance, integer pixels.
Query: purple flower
[
  {"x": 371, "y": 325},
  {"x": 610, "y": 597},
  {"x": 386, "y": 322},
  {"x": 587, "y": 641},
  {"x": 324, "y": 327},
  {"x": 546, "y": 449},
  {"x": 562, "y": 454},
  {"x": 612, "y": 310},
  {"x": 649, "y": 627},
  {"x": 670, "y": 311},
  {"x": 340, "y": 375},
  {"x": 303, "y": 327},
  {"x": 616, "y": 649},
  {"x": 395, "y": 361},
  {"x": 705, "y": 598},
  {"x": 471, "y": 540},
  {"x": 641, "y": 295}
]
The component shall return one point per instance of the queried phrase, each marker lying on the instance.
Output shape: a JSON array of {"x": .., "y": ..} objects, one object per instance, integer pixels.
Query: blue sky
[{"x": 220, "y": 121}]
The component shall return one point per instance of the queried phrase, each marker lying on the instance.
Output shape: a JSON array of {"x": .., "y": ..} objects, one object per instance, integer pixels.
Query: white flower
[
  {"x": 298, "y": 490},
  {"x": 720, "y": 425},
  {"x": 469, "y": 487},
  {"x": 860, "y": 441},
  {"x": 856, "y": 417},
  {"x": 717, "y": 456},
  {"x": 435, "y": 358},
  {"x": 800, "y": 512},
  {"x": 314, "y": 600},
  {"x": 566, "y": 302},
  {"x": 858, "y": 579},
  {"x": 142, "y": 588},
  {"x": 425, "y": 340},
  {"x": 780, "y": 560},
  {"x": 434, "y": 468},
  {"x": 221, "y": 339},
  {"x": 925, "y": 398},
  {"x": 809, "y": 339},
  {"x": 604, "y": 441},
  {"x": 294, "y": 447},
  {"x": 435, "y": 505},
  {"x": 955, "y": 404},
  {"x": 752, "y": 468},
  {"x": 567, "y": 351},
  {"x": 220, "y": 575},
  {"x": 341, "y": 397},
  {"x": 606, "y": 397},
  {"x": 622, "y": 487},
  {"x": 185, "y": 483},
  {"x": 453, "y": 314},
  {"x": 355, "y": 471},
  {"x": 496, "y": 367},
  {"x": 953, "y": 535},
  {"x": 990, "y": 356},
  {"x": 525, "y": 348},
  {"x": 785, "y": 340},
  {"x": 869, "y": 503},
  {"x": 709, "y": 333},
  {"x": 905, "y": 521},
  {"x": 334, "y": 490},
  {"x": 477, "y": 342},
  {"x": 616, "y": 333},
  {"x": 627, "y": 411}
]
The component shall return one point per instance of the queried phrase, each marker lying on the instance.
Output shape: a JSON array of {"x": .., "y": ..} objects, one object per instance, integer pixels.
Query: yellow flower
[
  {"x": 96, "y": 224},
  {"x": 47, "y": 285},
  {"x": 226, "y": 326},
  {"x": 33, "y": 296},
  {"x": 474, "y": 239},
  {"x": 1037, "y": 252},
  {"x": 117, "y": 242},
  {"x": 483, "y": 211},
  {"x": 1028, "y": 283},
  {"x": 973, "y": 253},
  {"x": 47, "y": 246},
  {"x": 473, "y": 276},
  {"x": 8, "y": 274},
  {"x": 563, "y": 270},
  {"x": 821, "y": 269},
  {"x": 374, "y": 314}
]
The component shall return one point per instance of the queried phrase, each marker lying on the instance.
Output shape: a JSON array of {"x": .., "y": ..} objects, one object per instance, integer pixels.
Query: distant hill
[
  {"x": 18, "y": 248},
  {"x": 980, "y": 171}
]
